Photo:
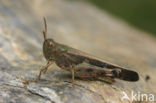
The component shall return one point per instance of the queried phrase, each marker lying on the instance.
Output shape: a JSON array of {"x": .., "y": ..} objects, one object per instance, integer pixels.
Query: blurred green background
[{"x": 138, "y": 13}]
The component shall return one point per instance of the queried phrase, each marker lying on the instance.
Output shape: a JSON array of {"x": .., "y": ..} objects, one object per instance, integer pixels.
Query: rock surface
[{"x": 78, "y": 25}]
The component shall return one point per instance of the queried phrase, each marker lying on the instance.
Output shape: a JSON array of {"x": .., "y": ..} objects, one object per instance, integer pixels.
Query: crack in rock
[{"x": 45, "y": 92}]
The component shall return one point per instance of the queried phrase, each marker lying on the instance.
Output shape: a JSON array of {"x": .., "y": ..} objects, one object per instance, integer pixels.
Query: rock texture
[{"x": 78, "y": 25}]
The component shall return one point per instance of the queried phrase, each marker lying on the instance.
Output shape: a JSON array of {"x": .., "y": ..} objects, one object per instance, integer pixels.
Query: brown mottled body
[{"x": 80, "y": 63}]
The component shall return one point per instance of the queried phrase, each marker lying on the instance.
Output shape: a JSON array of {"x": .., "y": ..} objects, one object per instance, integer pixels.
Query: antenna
[{"x": 45, "y": 29}]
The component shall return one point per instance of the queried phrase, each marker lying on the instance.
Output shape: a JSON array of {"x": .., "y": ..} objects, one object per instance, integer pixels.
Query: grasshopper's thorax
[{"x": 49, "y": 49}]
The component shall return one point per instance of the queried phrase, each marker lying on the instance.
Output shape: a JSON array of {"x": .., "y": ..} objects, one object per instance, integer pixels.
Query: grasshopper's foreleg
[{"x": 44, "y": 69}]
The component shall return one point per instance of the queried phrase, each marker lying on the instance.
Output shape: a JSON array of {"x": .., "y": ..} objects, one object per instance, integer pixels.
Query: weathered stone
[{"x": 78, "y": 25}]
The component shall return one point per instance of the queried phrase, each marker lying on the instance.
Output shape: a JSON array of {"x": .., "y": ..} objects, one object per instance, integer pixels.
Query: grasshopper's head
[{"x": 48, "y": 45}]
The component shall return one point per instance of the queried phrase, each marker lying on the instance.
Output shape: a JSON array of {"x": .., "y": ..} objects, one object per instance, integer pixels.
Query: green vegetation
[{"x": 139, "y": 13}]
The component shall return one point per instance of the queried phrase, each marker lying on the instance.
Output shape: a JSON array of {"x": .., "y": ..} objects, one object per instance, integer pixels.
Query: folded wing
[{"x": 119, "y": 72}]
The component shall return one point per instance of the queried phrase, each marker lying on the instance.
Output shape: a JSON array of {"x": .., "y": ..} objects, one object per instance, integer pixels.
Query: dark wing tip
[
  {"x": 130, "y": 75},
  {"x": 127, "y": 75}
]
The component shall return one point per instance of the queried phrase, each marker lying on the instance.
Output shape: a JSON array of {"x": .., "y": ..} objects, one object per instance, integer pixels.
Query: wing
[{"x": 119, "y": 72}]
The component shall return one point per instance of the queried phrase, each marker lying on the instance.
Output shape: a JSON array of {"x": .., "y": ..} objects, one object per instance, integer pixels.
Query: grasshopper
[{"x": 80, "y": 64}]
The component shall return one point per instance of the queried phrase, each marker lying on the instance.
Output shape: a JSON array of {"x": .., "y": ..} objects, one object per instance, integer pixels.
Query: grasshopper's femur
[{"x": 45, "y": 29}]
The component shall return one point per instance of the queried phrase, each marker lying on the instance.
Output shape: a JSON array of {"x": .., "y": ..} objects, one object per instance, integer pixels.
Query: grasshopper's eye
[{"x": 50, "y": 44}]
